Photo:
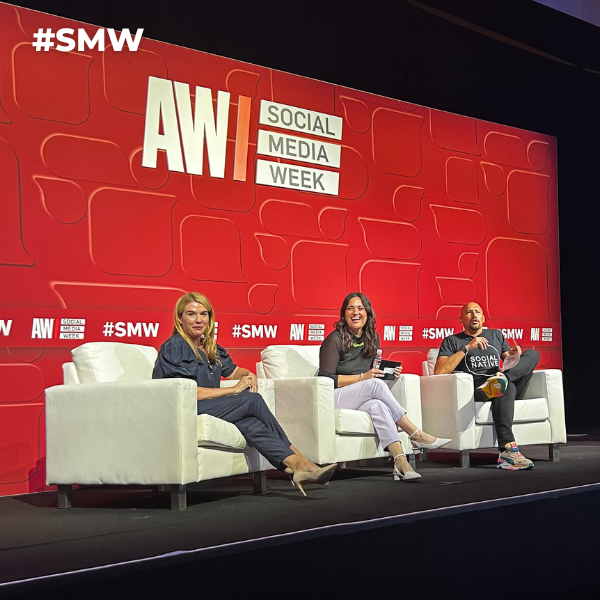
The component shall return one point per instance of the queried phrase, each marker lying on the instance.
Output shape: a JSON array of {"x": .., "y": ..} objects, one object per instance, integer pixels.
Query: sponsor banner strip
[{"x": 31, "y": 327}]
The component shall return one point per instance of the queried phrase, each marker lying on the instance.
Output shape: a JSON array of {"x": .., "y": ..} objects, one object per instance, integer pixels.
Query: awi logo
[
  {"x": 182, "y": 133},
  {"x": 63, "y": 329}
]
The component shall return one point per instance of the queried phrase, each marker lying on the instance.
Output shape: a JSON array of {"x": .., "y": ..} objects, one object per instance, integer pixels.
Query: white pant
[{"x": 374, "y": 397}]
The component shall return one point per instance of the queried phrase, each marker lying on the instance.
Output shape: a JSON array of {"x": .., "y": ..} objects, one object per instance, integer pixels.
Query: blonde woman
[{"x": 191, "y": 352}]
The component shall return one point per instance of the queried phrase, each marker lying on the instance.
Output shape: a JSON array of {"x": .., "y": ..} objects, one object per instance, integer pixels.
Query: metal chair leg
[
  {"x": 65, "y": 496},
  {"x": 412, "y": 460},
  {"x": 423, "y": 455},
  {"x": 178, "y": 497},
  {"x": 260, "y": 482},
  {"x": 465, "y": 460},
  {"x": 554, "y": 452},
  {"x": 342, "y": 465}
]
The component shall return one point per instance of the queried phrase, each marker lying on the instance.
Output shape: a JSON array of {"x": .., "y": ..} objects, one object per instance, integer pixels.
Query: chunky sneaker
[
  {"x": 495, "y": 386},
  {"x": 512, "y": 459}
]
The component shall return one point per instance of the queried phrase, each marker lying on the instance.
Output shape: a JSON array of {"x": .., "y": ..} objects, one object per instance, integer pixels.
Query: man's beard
[{"x": 472, "y": 329}]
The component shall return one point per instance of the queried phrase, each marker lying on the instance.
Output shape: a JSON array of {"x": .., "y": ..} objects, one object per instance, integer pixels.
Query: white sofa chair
[
  {"x": 111, "y": 423},
  {"x": 305, "y": 408},
  {"x": 449, "y": 409}
]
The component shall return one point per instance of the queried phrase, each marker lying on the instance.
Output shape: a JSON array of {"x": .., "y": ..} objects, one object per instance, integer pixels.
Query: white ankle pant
[{"x": 374, "y": 397}]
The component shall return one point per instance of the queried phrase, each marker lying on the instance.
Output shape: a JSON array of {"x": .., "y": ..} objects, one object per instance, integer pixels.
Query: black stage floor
[{"x": 116, "y": 525}]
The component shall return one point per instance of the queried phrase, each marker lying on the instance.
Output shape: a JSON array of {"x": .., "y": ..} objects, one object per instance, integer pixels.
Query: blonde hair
[{"x": 209, "y": 344}]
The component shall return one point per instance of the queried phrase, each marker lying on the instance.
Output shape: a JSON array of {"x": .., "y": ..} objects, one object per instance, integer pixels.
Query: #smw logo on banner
[{"x": 171, "y": 126}]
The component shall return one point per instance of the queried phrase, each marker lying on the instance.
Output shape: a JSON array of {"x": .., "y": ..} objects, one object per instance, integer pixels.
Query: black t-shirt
[
  {"x": 333, "y": 361},
  {"x": 177, "y": 359},
  {"x": 477, "y": 362}
]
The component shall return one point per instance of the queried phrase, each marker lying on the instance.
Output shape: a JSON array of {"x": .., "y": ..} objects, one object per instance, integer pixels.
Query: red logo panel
[{"x": 431, "y": 210}]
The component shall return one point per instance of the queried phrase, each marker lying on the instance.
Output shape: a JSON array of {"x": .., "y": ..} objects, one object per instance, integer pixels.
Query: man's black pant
[
  {"x": 249, "y": 413},
  {"x": 503, "y": 408}
]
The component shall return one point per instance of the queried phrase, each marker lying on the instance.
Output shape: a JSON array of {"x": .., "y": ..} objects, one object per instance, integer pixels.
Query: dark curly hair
[{"x": 368, "y": 334}]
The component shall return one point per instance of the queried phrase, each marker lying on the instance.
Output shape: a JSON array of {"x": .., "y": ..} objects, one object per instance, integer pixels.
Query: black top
[
  {"x": 177, "y": 359},
  {"x": 477, "y": 362},
  {"x": 333, "y": 361}
]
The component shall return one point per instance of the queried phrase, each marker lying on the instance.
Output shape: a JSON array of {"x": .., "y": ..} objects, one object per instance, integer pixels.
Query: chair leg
[
  {"x": 65, "y": 496},
  {"x": 465, "y": 460},
  {"x": 178, "y": 497},
  {"x": 342, "y": 465},
  {"x": 554, "y": 452},
  {"x": 260, "y": 482},
  {"x": 412, "y": 460},
  {"x": 423, "y": 455}
]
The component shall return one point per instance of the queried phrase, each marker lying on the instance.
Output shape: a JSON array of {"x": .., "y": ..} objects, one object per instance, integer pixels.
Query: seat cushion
[
  {"x": 526, "y": 411},
  {"x": 282, "y": 362},
  {"x": 353, "y": 422},
  {"x": 102, "y": 362},
  {"x": 216, "y": 433}
]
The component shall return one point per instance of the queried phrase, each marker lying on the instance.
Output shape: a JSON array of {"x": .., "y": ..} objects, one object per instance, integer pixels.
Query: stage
[{"x": 452, "y": 519}]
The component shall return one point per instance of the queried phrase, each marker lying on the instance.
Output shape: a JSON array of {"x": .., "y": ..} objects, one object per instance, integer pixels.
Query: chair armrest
[
  {"x": 407, "y": 390},
  {"x": 122, "y": 433},
  {"x": 548, "y": 384},
  {"x": 304, "y": 407},
  {"x": 260, "y": 370},
  {"x": 70, "y": 376},
  {"x": 448, "y": 408}
]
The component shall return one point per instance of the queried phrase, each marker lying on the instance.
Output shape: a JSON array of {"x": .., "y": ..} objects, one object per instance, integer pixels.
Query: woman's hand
[
  {"x": 254, "y": 386},
  {"x": 371, "y": 373},
  {"x": 247, "y": 382},
  {"x": 398, "y": 371},
  {"x": 243, "y": 374}
]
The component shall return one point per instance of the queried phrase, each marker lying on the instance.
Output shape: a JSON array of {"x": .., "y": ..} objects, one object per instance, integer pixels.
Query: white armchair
[
  {"x": 305, "y": 408},
  {"x": 111, "y": 423},
  {"x": 449, "y": 409}
]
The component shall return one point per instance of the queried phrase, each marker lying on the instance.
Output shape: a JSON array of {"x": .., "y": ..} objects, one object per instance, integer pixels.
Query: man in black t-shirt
[{"x": 478, "y": 351}]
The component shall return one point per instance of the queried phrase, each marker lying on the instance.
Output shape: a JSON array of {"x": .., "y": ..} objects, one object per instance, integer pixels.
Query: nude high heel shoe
[
  {"x": 290, "y": 475},
  {"x": 320, "y": 476},
  {"x": 408, "y": 476},
  {"x": 439, "y": 442}
]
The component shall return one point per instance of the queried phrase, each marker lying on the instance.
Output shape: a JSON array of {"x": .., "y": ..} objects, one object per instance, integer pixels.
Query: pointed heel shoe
[
  {"x": 439, "y": 442},
  {"x": 290, "y": 474},
  {"x": 408, "y": 476},
  {"x": 320, "y": 476}
]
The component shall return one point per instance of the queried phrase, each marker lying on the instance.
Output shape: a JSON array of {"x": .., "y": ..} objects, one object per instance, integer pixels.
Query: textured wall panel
[{"x": 433, "y": 209}]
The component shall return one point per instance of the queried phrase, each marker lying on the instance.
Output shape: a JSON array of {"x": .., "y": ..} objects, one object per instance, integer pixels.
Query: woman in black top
[
  {"x": 191, "y": 352},
  {"x": 346, "y": 356}
]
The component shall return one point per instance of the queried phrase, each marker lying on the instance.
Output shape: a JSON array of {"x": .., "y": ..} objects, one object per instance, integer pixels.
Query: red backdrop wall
[{"x": 433, "y": 210}]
